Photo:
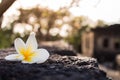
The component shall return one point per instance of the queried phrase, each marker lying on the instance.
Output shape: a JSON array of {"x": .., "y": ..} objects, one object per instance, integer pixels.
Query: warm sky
[{"x": 107, "y": 10}]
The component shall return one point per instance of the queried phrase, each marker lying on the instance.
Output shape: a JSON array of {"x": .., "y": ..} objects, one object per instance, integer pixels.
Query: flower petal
[
  {"x": 43, "y": 55},
  {"x": 32, "y": 42},
  {"x": 19, "y": 44},
  {"x": 14, "y": 57},
  {"x": 27, "y": 62},
  {"x": 40, "y": 56}
]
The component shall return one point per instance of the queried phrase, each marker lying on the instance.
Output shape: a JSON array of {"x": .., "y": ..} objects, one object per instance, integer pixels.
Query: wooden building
[{"x": 102, "y": 42}]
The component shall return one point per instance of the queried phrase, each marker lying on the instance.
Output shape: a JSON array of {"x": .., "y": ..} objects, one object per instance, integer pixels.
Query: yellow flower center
[{"x": 27, "y": 53}]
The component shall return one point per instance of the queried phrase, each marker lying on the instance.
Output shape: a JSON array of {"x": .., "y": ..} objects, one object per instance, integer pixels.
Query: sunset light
[
  {"x": 60, "y": 39},
  {"x": 106, "y": 10}
]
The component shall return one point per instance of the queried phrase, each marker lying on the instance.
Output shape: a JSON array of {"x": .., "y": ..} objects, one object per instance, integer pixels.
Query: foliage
[
  {"x": 44, "y": 20},
  {"x": 5, "y": 40},
  {"x": 7, "y": 37},
  {"x": 75, "y": 38},
  {"x": 47, "y": 18}
]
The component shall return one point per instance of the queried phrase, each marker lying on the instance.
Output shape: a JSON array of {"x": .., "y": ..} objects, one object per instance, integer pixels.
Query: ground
[
  {"x": 113, "y": 74},
  {"x": 57, "y": 67}
]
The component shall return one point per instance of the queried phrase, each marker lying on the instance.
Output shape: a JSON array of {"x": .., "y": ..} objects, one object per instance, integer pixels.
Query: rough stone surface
[
  {"x": 60, "y": 51},
  {"x": 55, "y": 68}
]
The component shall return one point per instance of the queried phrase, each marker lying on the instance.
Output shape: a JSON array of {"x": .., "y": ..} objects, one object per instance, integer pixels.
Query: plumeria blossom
[{"x": 28, "y": 53}]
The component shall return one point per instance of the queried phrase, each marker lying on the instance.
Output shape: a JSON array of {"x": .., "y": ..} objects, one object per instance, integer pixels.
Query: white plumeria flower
[{"x": 28, "y": 53}]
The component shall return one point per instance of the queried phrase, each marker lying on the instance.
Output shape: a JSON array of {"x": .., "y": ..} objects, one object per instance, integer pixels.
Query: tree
[
  {"x": 44, "y": 17},
  {"x": 4, "y": 5}
]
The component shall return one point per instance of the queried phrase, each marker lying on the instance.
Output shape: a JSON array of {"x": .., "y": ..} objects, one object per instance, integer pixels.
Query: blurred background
[{"x": 89, "y": 27}]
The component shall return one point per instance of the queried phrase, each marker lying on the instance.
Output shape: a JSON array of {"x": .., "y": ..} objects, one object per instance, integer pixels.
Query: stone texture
[{"x": 57, "y": 67}]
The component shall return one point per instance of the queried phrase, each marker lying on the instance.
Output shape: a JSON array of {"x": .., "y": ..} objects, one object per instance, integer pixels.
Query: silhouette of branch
[{"x": 4, "y": 5}]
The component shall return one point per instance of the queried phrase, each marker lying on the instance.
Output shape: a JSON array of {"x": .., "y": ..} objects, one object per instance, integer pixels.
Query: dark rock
[
  {"x": 55, "y": 68},
  {"x": 60, "y": 51}
]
